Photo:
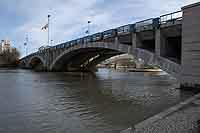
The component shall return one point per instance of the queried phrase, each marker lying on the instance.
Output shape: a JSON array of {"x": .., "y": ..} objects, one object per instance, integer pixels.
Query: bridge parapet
[
  {"x": 147, "y": 24},
  {"x": 171, "y": 19}
]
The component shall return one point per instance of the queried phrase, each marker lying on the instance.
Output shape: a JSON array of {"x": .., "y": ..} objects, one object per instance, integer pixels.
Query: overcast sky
[{"x": 19, "y": 18}]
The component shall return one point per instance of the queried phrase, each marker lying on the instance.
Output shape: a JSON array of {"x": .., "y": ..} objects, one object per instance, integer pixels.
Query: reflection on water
[{"x": 104, "y": 102}]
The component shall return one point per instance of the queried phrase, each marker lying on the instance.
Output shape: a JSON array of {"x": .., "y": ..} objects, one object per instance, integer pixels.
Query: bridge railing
[
  {"x": 59, "y": 46},
  {"x": 126, "y": 29},
  {"x": 80, "y": 41},
  {"x": 97, "y": 37},
  {"x": 144, "y": 25},
  {"x": 109, "y": 33},
  {"x": 64, "y": 45},
  {"x": 87, "y": 39},
  {"x": 73, "y": 42},
  {"x": 171, "y": 17}
]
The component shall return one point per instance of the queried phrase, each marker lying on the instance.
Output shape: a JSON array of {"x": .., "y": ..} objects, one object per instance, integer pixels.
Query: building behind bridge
[{"x": 5, "y": 45}]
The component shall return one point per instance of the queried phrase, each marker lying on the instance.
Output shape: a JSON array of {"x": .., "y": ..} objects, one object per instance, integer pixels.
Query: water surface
[{"x": 104, "y": 102}]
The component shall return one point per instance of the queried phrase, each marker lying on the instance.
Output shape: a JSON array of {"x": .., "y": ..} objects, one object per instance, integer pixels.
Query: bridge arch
[
  {"x": 100, "y": 51},
  {"x": 36, "y": 63},
  {"x": 79, "y": 59},
  {"x": 80, "y": 54}
]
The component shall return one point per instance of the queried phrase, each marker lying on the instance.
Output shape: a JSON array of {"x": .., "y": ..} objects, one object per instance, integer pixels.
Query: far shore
[
  {"x": 8, "y": 66},
  {"x": 144, "y": 70},
  {"x": 136, "y": 69}
]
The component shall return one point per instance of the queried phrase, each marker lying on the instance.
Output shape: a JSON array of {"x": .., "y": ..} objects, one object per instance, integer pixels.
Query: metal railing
[
  {"x": 109, "y": 33},
  {"x": 79, "y": 41},
  {"x": 87, "y": 39},
  {"x": 144, "y": 23},
  {"x": 171, "y": 17},
  {"x": 124, "y": 29},
  {"x": 97, "y": 37}
]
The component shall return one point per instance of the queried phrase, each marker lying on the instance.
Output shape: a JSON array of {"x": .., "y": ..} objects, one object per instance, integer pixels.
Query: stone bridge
[{"x": 171, "y": 42}]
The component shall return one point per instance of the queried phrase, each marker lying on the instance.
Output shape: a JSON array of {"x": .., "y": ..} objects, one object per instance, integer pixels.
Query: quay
[{"x": 181, "y": 118}]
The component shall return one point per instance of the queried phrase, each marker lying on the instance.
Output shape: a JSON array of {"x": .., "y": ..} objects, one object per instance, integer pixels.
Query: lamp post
[
  {"x": 88, "y": 30},
  {"x": 51, "y": 42},
  {"x": 48, "y": 29},
  {"x": 26, "y": 45}
]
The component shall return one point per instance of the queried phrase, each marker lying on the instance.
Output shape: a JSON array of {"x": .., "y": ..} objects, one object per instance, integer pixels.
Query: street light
[
  {"x": 49, "y": 28},
  {"x": 26, "y": 45},
  {"x": 88, "y": 30},
  {"x": 51, "y": 42}
]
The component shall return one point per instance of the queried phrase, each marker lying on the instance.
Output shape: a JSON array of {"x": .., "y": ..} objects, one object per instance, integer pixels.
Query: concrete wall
[{"x": 190, "y": 74}]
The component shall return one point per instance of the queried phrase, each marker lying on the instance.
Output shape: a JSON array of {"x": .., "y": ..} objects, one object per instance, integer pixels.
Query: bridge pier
[
  {"x": 159, "y": 42},
  {"x": 190, "y": 73},
  {"x": 134, "y": 40}
]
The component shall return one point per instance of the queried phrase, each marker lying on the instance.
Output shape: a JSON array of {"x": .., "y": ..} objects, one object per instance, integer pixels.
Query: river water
[{"x": 107, "y": 101}]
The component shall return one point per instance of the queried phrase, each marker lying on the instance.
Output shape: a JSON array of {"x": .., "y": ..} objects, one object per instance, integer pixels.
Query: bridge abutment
[{"x": 190, "y": 73}]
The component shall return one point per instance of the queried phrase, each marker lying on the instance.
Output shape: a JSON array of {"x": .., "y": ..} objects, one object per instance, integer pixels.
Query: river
[{"x": 107, "y": 101}]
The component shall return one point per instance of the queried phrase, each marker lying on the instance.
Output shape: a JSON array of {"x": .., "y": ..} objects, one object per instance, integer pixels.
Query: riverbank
[
  {"x": 181, "y": 118},
  {"x": 8, "y": 66}
]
